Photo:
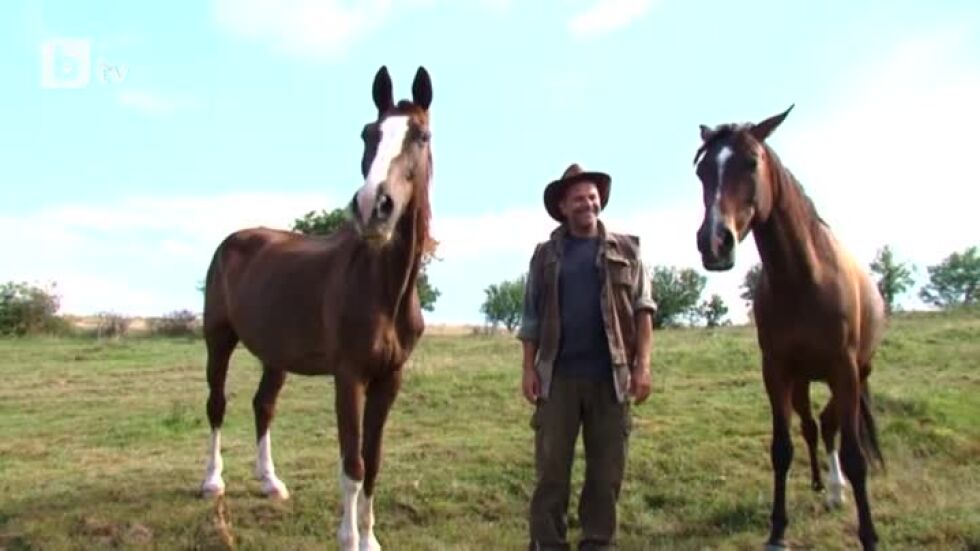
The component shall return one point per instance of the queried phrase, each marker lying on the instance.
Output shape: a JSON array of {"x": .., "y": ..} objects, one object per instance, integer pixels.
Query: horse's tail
[{"x": 868, "y": 432}]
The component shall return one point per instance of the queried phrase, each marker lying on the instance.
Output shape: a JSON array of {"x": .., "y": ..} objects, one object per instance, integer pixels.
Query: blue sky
[{"x": 199, "y": 118}]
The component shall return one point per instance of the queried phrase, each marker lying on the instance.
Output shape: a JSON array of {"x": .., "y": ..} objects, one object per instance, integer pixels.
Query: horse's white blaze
[
  {"x": 265, "y": 470},
  {"x": 835, "y": 495},
  {"x": 393, "y": 131},
  {"x": 715, "y": 213},
  {"x": 213, "y": 483},
  {"x": 365, "y": 522},
  {"x": 347, "y": 534}
]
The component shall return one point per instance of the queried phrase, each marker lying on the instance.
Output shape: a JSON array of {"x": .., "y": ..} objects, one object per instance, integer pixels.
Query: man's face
[{"x": 581, "y": 204}]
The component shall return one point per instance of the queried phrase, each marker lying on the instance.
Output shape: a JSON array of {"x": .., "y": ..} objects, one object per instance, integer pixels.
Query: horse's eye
[
  {"x": 370, "y": 132},
  {"x": 750, "y": 164}
]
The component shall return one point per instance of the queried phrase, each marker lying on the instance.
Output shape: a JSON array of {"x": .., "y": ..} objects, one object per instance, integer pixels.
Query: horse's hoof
[
  {"x": 348, "y": 542},
  {"x": 370, "y": 543},
  {"x": 776, "y": 547},
  {"x": 817, "y": 487},
  {"x": 273, "y": 488},
  {"x": 212, "y": 488},
  {"x": 835, "y": 497}
]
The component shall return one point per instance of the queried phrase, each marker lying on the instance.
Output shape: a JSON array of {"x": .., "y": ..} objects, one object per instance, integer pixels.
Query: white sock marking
[
  {"x": 347, "y": 534},
  {"x": 213, "y": 484},
  {"x": 836, "y": 485},
  {"x": 265, "y": 470},
  {"x": 365, "y": 523},
  {"x": 393, "y": 131}
]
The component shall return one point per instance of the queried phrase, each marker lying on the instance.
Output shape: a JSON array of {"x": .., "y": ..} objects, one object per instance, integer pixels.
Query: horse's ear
[
  {"x": 382, "y": 90},
  {"x": 706, "y": 133},
  {"x": 762, "y": 130},
  {"x": 422, "y": 89}
]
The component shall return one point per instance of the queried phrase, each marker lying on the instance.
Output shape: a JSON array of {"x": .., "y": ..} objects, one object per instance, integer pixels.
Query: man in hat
[{"x": 586, "y": 333}]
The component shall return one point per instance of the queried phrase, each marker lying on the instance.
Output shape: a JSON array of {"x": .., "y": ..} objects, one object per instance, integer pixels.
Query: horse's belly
[{"x": 311, "y": 364}]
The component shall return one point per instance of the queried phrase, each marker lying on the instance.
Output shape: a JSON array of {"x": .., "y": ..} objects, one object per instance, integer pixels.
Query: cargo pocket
[
  {"x": 536, "y": 416},
  {"x": 627, "y": 419}
]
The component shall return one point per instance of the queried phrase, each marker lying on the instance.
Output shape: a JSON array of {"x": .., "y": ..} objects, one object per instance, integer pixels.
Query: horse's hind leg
[
  {"x": 380, "y": 395},
  {"x": 801, "y": 403},
  {"x": 835, "y": 478},
  {"x": 847, "y": 395},
  {"x": 220, "y": 341},
  {"x": 264, "y": 405}
]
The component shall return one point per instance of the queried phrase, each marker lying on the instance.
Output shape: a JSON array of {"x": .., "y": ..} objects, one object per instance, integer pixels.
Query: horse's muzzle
[{"x": 717, "y": 247}]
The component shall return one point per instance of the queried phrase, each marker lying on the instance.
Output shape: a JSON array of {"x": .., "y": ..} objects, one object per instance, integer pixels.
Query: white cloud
[
  {"x": 303, "y": 27},
  {"x": 891, "y": 159},
  {"x": 605, "y": 16},
  {"x": 479, "y": 250},
  {"x": 309, "y": 28},
  {"x": 154, "y": 102},
  {"x": 888, "y": 159},
  {"x": 496, "y": 6},
  {"x": 140, "y": 255},
  {"x": 321, "y": 29}
]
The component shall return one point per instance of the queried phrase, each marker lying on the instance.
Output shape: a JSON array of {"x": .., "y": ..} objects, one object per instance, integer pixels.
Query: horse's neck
[{"x": 788, "y": 241}]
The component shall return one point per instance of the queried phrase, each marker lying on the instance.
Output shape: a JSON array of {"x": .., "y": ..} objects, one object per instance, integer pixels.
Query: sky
[{"x": 135, "y": 136}]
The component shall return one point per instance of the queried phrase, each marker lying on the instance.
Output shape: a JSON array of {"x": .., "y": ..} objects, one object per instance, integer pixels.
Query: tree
[
  {"x": 714, "y": 311},
  {"x": 323, "y": 223},
  {"x": 28, "y": 309},
  {"x": 320, "y": 223},
  {"x": 676, "y": 292},
  {"x": 954, "y": 281},
  {"x": 504, "y": 303},
  {"x": 894, "y": 278},
  {"x": 751, "y": 283}
]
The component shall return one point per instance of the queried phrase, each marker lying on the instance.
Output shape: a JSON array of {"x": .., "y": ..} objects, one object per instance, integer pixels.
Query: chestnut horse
[
  {"x": 819, "y": 315},
  {"x": 344, "y": 305}
]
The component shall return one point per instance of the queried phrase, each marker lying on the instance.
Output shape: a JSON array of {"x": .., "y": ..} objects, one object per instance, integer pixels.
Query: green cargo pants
[{"x": 605, "y": 426}]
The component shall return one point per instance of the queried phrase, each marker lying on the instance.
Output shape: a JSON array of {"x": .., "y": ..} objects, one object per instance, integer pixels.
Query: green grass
[{"x": 102, "y": 445}]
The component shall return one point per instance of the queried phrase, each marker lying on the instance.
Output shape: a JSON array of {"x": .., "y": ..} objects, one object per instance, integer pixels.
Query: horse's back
[
  {"x": 265, "y": 285},
  {"x": 230, "y": 261},
  {"x": 870, "y": 312},
  {"x": 866, "y": 308}
]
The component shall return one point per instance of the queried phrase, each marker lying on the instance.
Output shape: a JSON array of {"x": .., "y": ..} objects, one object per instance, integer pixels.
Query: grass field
[{"x": 102, "y": 445}]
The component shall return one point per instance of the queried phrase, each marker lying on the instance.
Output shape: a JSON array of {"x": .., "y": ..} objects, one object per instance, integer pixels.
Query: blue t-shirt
[{"x": 583, "y": 349}]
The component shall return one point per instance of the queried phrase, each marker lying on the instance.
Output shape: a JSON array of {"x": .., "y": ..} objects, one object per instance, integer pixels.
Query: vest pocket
[{"x": 621, "y": 271}]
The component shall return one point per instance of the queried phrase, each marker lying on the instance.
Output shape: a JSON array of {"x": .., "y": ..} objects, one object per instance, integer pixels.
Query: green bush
[
  {"x": 180, "y": 323},
  {"x": 111, "y": 325}
]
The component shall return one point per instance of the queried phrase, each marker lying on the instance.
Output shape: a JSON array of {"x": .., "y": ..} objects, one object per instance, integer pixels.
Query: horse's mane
[
  {"x": 424, "y": 241},
  {"x": 786, "y": 178},
  {"x": 720, "y": 132}
]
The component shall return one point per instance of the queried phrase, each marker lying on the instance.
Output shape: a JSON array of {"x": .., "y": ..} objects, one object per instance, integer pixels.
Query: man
[{"x": 586, "y": 334}]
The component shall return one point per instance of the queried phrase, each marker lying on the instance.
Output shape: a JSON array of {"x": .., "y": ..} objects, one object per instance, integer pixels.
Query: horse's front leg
[
  {"x": 350, "y": 409},
  {"x": 381, "y": 395},
  {"x": 781, "y": 453}
]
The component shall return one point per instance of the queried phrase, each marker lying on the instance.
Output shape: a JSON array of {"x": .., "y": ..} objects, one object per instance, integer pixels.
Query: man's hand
[
  {"x": 640, "y": 383},
  {"x": 529, "y": 379},
  {"x": 530, "y": 385}
]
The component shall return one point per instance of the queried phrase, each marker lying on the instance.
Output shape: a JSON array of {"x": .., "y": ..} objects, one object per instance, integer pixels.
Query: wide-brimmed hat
[{"x": 554, "y": 192}]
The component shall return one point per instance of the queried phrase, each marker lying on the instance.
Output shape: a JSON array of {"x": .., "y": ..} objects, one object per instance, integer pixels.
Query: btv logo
[{"x": 66, "y": 63}]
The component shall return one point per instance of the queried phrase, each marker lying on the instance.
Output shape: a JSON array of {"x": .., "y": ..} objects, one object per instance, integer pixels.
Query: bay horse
[
  {"x": 818, "y": 314},
  {"x": 343, "y": 305}
]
